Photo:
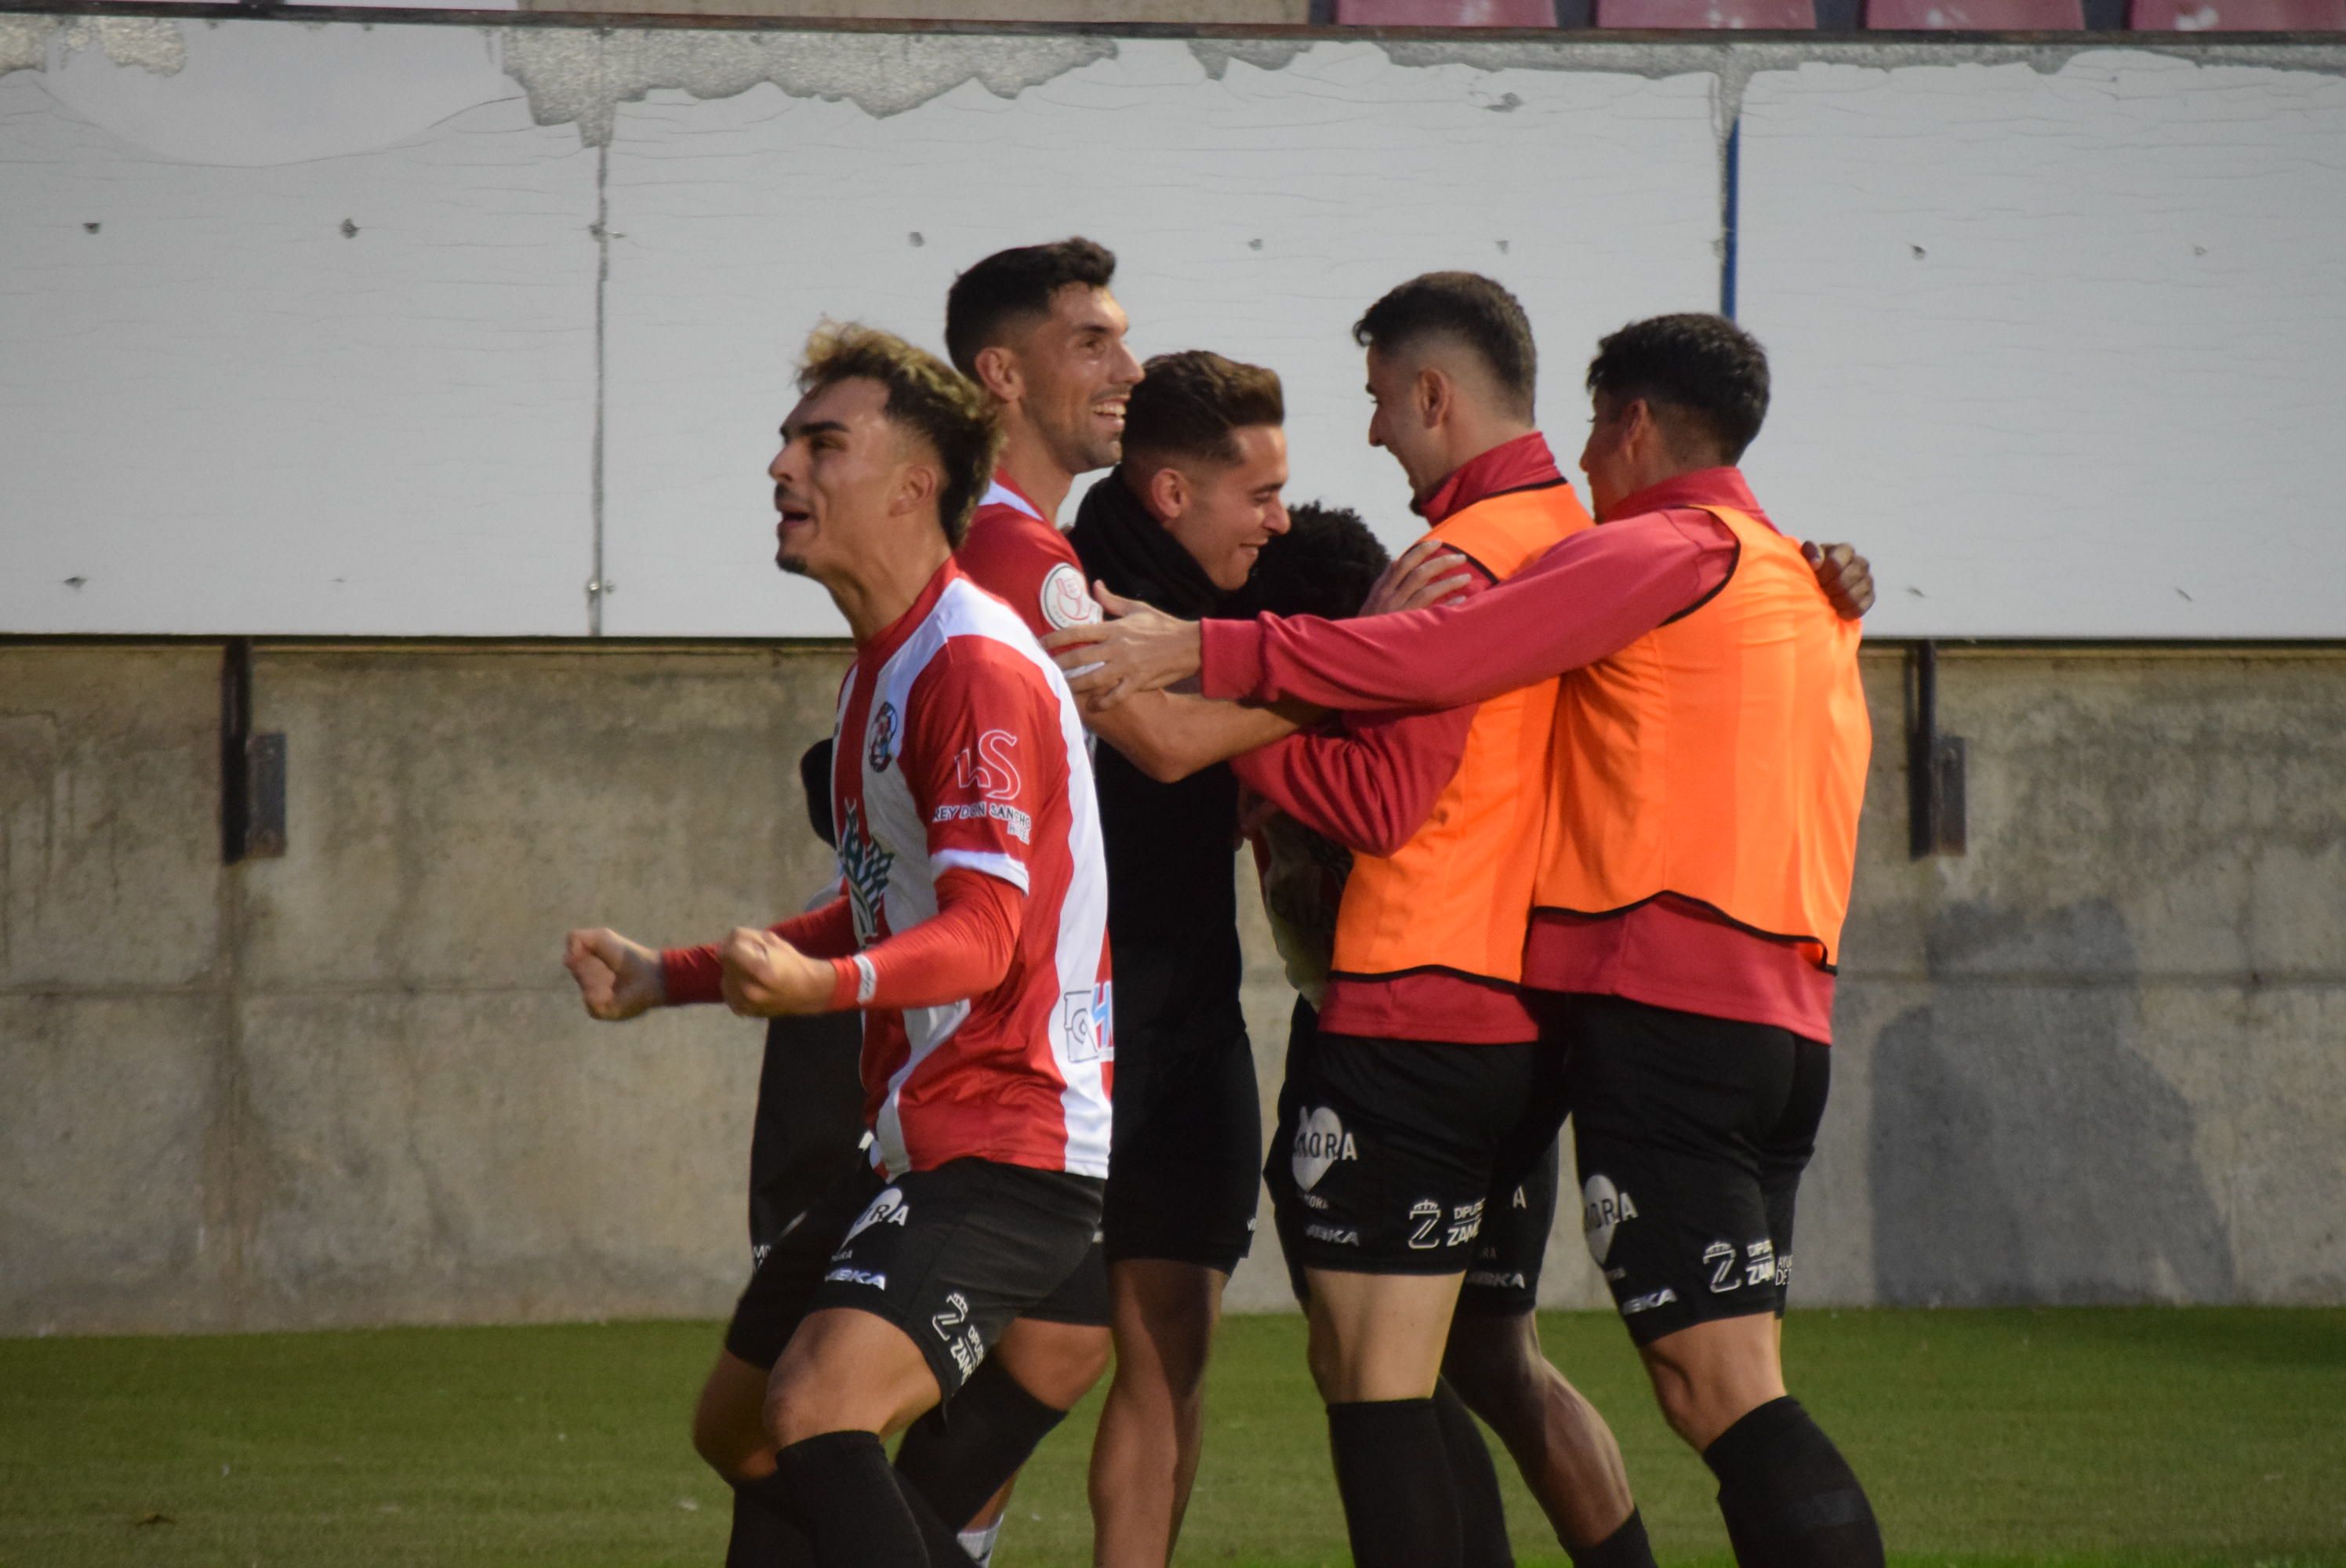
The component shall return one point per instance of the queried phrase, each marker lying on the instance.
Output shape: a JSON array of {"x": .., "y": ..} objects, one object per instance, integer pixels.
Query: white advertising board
[{"x": 413, "y": 329}]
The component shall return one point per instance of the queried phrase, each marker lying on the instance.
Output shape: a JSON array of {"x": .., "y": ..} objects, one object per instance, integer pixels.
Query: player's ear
[
  {"x": 1167, "y": 491},
  {"x": 998, "y": 373},
  {"x": 918, "y": 482},
  {"x": 1432, "y": 394}
]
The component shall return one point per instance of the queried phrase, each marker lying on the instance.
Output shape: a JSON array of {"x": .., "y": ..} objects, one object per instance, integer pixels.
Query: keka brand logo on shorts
[
  {"x": 1603, "y": 1207},
  {"x": 1321, "y": 1140}
]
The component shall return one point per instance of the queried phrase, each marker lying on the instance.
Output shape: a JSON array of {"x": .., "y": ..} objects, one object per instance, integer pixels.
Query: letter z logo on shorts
[{"x": 1321, "y": 1140}]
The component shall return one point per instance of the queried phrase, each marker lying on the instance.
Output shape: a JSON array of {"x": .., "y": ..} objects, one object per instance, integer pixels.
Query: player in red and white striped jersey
[
  {"x": 972, "y": 934},
  {"x": 958, "y": 754}
]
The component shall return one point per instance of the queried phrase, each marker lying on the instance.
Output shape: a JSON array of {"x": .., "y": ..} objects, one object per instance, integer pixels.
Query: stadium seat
[
  {"x": 1787, "y": 16},
  {"x": 2237, "y": 16},
  {"x": 1976, "y": 16},
  {"x": 1446, "y": 13}
]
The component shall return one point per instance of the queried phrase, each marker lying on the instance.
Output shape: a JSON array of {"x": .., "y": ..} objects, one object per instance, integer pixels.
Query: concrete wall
[{"x": 2100, "y": 1057}]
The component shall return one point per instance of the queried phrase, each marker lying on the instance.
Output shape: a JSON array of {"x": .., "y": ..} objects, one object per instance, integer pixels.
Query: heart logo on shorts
[{"x": 1321, "y": 1140}]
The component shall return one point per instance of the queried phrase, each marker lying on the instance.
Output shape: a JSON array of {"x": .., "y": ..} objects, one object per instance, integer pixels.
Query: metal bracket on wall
[
  {"x": 253, "y": 767},
  {"x": 1934, "y": 763}
]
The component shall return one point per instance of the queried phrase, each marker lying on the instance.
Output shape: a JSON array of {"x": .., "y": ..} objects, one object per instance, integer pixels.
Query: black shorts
[
  {"x": 950, "y": 1256},
  {"x": 1389, "y": 1152},
  {"x": 1691, "y": 1134},
  {"x": 1187, "y": 1143},
  {"x": 1503, "y": 1281},
  {"x": 809, "y": 1116}
]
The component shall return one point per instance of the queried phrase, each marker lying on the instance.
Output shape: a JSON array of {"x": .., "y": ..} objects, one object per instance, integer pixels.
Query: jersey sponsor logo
[
  {"x": 992, "y": 771},
  {"x": 880, "y": 741},
  {"x": 1465, "y": 1224},
  {"x": 1647, "y": 1303},
  {"x": 865, "y": 865},
  {"x": 888, "y": 1208},
  {"x": 858, "y": 1277},
  {"x": 1085, "y": 1017},
  {"x": 1604, "y": 1207},
  {"x": 1065, "y": 601},
  {"x": 1321, "y": 1140},
  {"x": 1021, "y": 826},
  {"x": 1333, "y": 1236},
  {"x": 1425, "y": 1225}
]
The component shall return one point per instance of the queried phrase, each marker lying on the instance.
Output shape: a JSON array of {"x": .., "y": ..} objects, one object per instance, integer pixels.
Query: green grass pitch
[{"x": 2077, "y": 1436}]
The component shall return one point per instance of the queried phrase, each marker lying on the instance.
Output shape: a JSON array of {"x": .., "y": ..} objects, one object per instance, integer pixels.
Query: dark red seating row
[{"x": 1917, "y": 16}]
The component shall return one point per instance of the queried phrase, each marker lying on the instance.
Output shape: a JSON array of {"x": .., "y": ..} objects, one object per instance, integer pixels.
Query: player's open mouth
[
  {"x": 792, "y": 517},
  {"x": 1111, "y": 412}
]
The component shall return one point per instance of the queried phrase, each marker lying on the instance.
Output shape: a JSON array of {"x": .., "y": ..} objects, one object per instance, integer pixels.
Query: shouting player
[{"x": 973, "y": 935}]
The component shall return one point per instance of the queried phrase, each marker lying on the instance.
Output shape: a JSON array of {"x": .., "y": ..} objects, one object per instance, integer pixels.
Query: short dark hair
[
  {"x": 1325, "y": 565},
  {"x": 925, "y": 396},
  {"x": 1469, "y": 308},
  {"x": 1193, "y": 403},
  {"x": 1704, "y": 369},
  {"x": 987, "y": 301}
]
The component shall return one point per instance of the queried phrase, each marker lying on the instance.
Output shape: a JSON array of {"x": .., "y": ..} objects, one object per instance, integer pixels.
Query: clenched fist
[
  {"x": 766, "y": 977},
  {"x": 617, "y": 978}
]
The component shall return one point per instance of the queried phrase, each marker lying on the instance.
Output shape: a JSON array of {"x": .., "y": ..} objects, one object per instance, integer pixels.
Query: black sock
[
  {"x": 764, "y": 1536},
  {"x": 1482, "y": 1515},
  {"x": 1624, "y": 1548},
  {"x": 958, "y": 1455},
  {"x": 1789, "y": 1499},
  {"x": 1400, "y": 1510},
  {"x": 839, "y": 1490}
]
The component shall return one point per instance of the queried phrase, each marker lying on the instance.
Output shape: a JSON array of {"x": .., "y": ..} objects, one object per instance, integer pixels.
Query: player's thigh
[
  {"x": 1057, "y": 1362},
  {"x": 952, "y": 1257},
  {"x": 1670, "y": 1115},
  {"x": 1166, "y": 1313},
  {"x": 1376, "y": 1337},
  {"x": 1189, "y": 1143},
  {"x": 847, "y": 1370}
]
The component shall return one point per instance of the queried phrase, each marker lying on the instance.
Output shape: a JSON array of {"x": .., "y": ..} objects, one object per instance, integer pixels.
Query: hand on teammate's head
[
  {"x": 618, "y": 979},
  {"x": 1846, "y": 576}
]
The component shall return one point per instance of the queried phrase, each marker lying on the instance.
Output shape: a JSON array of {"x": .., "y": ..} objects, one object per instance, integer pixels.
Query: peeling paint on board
[
  {"x": 583, "y": 77},
  {"x": 1263, "y": 55},
  {"x": 147, "y": 43}
]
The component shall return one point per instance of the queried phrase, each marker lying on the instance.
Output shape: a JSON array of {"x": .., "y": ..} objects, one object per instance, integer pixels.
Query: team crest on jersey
[
  {"x": 1065, "y": 601},
  {"x": 883, "y": 738},
  {"x": 865, "y": 865}
]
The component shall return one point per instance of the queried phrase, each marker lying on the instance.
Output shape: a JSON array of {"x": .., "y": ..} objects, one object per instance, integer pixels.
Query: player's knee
[
  {"x": 1501, "y": 1377},
  {"x": 1057, "y": 1365}
]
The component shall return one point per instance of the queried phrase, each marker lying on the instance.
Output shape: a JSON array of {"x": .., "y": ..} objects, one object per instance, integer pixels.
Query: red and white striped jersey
[
  {"x": 958, "y": 745},
  {"x": 1013, "y": 551}
]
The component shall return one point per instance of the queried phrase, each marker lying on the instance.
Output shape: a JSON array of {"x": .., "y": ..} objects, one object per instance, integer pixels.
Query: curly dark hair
[
  {"x": 1011, "y": 285},
  {"x": 1325, "y": 565},
  {"x": 1705, "y": 370}
]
